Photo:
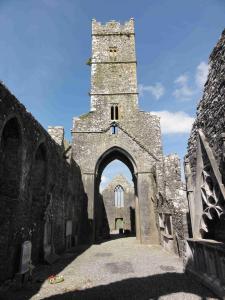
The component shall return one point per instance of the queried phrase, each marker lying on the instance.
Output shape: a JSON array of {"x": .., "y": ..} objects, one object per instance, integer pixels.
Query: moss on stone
[{"x": 84, "y": 115}]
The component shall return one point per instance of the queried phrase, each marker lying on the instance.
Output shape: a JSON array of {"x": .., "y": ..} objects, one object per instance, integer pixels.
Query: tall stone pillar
[
  {"x": 190, "y": 192},
  {"x": 198, "y": 207},
  {"x": 137, "y": 219},
  {"x": 89, "y": 187},
  {"x": 148, "y": 229}
]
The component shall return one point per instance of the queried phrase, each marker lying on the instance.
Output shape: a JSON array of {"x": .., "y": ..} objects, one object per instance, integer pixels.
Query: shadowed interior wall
[{"x": 34, "y": 168}]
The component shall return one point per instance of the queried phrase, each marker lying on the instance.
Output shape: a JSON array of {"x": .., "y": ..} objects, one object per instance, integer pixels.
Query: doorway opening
[
  {"x": 119, "y": 225},
  {"x": 116, "y": 201}
]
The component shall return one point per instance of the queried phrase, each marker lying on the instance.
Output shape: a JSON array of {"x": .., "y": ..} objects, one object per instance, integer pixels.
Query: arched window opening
[
  {"x": 10, "y": 159},
  {"x": 114, "y": 112},
  {"x": 119, "y": 196}
]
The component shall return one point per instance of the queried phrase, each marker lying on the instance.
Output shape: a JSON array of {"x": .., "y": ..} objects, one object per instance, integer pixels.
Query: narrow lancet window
[
  {"x": 112, "y": 112},
  {"x": 119, "y": 196},
  {"x": 116, "y": 112}
]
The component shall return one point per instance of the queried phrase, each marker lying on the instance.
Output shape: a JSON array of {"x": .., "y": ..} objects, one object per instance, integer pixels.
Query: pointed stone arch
[
  {"x": 115, "y": 153},
  {"x": 11, "y": 144},
  {"x": 104, "y": 159},
  {"x": 11, "y": 159}
]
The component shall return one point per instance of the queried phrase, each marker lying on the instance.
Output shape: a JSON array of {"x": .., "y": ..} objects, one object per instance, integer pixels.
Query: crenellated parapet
[{"x": 112, "y": 27}]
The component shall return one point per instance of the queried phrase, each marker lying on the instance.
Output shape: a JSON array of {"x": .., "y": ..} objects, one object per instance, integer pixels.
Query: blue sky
[{"x": 45, "y": 44}]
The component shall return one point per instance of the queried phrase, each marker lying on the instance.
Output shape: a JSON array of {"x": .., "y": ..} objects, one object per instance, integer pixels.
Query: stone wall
[
  {"x": 204, "y": 171},
  {"x": 210, "y": 110},
  {"x": 172, "y": 209},
  {"x": 39, "y": 184},
  {"x": 206, "y": 142}
]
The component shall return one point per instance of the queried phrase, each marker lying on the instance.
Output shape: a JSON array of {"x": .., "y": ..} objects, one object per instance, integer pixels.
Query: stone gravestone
[
  {"x": 47, "y": 239},
  {"x": 69, "y": 227},
  {"x": 25, "y": 265},
  {"x": 25, "y": 259},
  {"x": 68, "y": 233}
]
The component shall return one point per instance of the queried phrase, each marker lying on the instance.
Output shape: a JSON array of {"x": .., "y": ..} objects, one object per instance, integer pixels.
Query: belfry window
[
  {"x": 113, "y": 52},
  {"x": 119, "y": 196},
  {"x": 114, "y": 112}
]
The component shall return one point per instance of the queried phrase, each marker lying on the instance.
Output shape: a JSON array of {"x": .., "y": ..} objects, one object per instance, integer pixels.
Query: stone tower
[
  {"x": 116, "y": 129},
  {"x": 113, "y": 68}
]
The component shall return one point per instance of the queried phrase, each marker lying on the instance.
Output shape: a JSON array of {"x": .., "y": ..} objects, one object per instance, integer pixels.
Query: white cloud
[
  {"x": 174, "y": 122},
  {"x": 104, "y": 179},
  {"x": 182, "y": 79},
  {"x": 157, "y": 90},
  {"x": 184, "y": 91},
  {"x": 201, "y": 74}
]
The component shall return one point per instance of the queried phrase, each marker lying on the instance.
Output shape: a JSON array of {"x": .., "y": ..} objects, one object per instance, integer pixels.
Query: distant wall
[{"x": 127, "y": 211}]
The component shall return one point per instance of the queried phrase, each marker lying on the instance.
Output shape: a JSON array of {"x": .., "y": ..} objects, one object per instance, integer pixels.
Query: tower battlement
[{"x": 112, "y": 27}]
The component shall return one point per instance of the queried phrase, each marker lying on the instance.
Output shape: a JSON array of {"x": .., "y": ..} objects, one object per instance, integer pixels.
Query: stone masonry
[{"x": 204, "y": 170}]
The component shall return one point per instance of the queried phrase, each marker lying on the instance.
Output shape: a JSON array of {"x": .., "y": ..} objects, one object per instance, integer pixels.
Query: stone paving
[{"x": 117, "y": 269}]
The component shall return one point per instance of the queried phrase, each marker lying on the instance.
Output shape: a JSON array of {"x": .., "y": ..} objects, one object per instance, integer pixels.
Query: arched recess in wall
[
  {"x": 10, "y": 178},
  {"x": 10, "y": 159},
  {"x": 38, "y": 195}
]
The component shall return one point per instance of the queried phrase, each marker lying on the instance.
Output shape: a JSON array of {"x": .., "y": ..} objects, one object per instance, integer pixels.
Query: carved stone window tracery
[
  {"x": 213, "y": 204},
  {"x": 210, "y": 198}
]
